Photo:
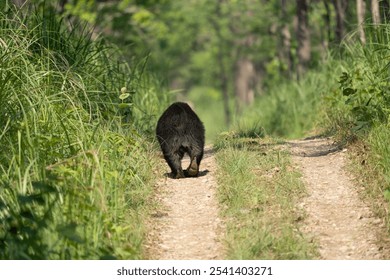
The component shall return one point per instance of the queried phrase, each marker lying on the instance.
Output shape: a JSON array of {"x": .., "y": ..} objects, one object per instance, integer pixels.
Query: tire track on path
[{"x": 337, "y": 219}]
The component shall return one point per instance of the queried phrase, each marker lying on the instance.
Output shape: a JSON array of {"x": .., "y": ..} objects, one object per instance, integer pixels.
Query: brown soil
[
  {"x": 188, "y": 227},
  {"x": 337, "y": 219}
]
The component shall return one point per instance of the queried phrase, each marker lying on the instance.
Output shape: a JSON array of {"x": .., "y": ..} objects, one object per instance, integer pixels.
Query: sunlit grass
[
  {"x": 258, "y": 191},
  {"x": 75, "y": 172},
  {"x": 358, "y": 112}
]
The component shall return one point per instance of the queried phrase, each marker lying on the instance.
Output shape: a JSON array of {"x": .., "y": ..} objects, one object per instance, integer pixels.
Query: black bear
[{"x": 179, "y": 131}]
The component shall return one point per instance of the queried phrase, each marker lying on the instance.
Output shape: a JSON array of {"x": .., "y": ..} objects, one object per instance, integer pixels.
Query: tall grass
[
  {"x": 359, "y": 110},
  {"x": 74, "y": 171},
  {"x": 364, "y": 80},
  {"x": 291, "y": 109}
]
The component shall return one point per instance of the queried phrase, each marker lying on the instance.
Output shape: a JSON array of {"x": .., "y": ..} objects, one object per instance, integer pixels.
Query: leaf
[
  {"x": 350, "y": 100},
  {"x": 3, "y": 205},
  {"x": 124, "y": 105},
  {"x": 123, "y": 96},
  {"x": 43, "y": 187},
  {"x": 349, "y": 91},
  {"x": 343, "y": 78},
  {"x": 34, "y": 198},
  {"x": 358, "y": 110},
  {"x": 69, "y": 232},
  {"x": 27, "y": 215},
  {"x": 360, "y": 125}
]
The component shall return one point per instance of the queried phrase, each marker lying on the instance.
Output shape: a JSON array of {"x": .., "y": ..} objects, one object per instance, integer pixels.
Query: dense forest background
[
  {"x": 82, "y": 83},
  {"x": 224, "y": 53}
]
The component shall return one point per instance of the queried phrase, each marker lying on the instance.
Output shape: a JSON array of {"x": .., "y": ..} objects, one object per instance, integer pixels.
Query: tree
[
  {"x": 360, "y": 12},
  {"x": 285, "y": 53},
  {"x": 244, "y": 81},
  {"x": 384, "y": 7},
  {"x": 303, "y": 36},
  {"x": 244, "y": 68},
  {"x": 376, "y": 19},
  {"x": 340, "y": 8},
  {"x": 326, "y": 33},
  {"x": 223, "y": 76}
]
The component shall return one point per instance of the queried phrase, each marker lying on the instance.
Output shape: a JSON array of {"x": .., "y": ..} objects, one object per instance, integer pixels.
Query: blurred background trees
[{"x": 227, "y": 52}]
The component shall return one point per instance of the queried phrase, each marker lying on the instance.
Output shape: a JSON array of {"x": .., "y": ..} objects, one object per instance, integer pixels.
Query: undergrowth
[
  {"x": 291, "y": 109},
  {"x": 74, "y": 166},
  {"x": 359, "y": 111}
]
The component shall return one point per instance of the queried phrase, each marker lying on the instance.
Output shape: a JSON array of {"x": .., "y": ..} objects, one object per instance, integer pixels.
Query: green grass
[
  {"x": 358, "y": 112},
  {"x": 291, "y": 109},
  {"x": 259, "y": 190},
  {"x": 75, "y": 171},
  {"x": 369, "y": 161},
  {"x": 362, "y": 99}
]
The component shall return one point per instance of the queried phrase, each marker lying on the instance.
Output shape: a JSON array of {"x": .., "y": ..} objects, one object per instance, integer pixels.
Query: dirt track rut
[
  {"x": 188, "y": 227},
  {"x": 337, "y": 219}
]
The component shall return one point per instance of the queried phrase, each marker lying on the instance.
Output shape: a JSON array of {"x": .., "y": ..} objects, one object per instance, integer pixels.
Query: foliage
[
  {"x": 365, "y": 83},
  {"x": 359, "y": 110},
  {"x": 74, "y": 170},
  {"x": 362, "y": 101}
]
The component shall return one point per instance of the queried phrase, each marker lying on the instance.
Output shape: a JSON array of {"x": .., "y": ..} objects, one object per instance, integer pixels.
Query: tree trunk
[
  {"x": 376, "y": 19},
  {"x": 244, "y": 83},
  {"x": 384, "y": 7},
  {"x": 225, "y": 89},
  {"x": 360, "y": 12},
  {"x": 223, "y": 77},
  {"x": 326, "y": 32},
  {"x": 244, "y": 69},
  {"x": 62, "y": 6},
  {"x": 285, "y": 54},
  {"x": 340, "y": 7},
  {"x": 303, "y": 35}
]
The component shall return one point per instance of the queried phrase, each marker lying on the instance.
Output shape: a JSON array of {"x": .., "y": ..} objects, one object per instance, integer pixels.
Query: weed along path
[
  {"x": 188, "y": 226},
  {"x": 339, "y": 222}
]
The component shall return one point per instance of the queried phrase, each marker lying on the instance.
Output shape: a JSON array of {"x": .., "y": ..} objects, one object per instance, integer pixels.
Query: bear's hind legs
[
  {"x": 174, "y": 162},
  {"x": 193, "y": 169}
]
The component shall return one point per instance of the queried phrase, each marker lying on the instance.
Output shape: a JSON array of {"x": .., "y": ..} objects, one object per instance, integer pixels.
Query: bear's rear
[{"x": 179, "y": 131}]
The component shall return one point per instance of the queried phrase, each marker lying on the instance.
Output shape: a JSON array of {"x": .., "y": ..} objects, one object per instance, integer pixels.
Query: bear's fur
[{"x": 179, "y": 131}]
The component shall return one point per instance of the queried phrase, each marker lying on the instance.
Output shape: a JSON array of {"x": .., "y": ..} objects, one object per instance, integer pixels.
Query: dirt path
[
  {"x": 337, "y": 219},
  {"x": 188, "y": 226}
]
